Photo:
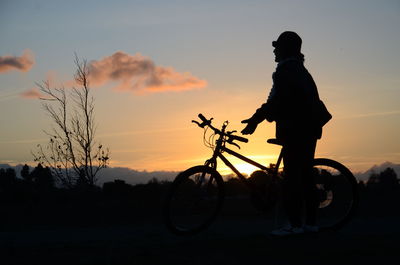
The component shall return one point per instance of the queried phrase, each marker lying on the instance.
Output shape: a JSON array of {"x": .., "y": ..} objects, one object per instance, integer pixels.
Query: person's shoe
[
  {"x": 311, "y": 229},
  {"x": 287, "y": 231}
]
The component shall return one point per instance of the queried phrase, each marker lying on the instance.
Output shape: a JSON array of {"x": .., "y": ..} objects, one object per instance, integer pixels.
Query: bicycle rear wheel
[
  {"x": 337, "y": 193},
  {"x": 193, "y": 200}
]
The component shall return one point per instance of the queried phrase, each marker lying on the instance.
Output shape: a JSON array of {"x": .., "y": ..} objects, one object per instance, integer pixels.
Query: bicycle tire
[
  {"x": 195, "y": 192},
  {"x": 340, "y": 196}
]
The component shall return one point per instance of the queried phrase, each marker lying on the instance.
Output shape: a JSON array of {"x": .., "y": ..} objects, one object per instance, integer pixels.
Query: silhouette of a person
[{"x": 289, "y": 105}]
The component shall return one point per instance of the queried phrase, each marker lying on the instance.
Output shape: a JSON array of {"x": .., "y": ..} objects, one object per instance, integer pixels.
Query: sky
[{"x": 157, "y": 64}]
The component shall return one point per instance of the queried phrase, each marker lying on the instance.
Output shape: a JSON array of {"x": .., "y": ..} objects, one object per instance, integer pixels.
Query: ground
[{"x": 238, "y": 236}]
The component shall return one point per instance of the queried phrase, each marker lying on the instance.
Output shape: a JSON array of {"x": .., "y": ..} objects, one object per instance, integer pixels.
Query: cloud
[
  {"x": 32, "y": 93},
  {"x": 23, "y": 63},
  {"x": 139, "y": 74},
  {"x": 367, "y": 115}
]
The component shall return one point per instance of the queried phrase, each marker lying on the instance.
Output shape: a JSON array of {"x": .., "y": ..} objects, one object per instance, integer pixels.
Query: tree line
[
  {"x": 41, "y": 180},
  {"x": 35, "y": 198}
]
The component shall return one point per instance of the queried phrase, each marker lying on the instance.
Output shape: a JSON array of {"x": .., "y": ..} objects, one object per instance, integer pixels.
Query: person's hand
[{"x": 250, "y": 127}]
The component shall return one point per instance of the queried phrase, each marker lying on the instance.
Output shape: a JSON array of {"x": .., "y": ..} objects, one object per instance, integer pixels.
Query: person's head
[{"x": 287, "y": 45}]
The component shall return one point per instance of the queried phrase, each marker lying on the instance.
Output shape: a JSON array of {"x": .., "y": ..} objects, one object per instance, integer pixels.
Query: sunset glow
[{"x": 246, "y": 169}]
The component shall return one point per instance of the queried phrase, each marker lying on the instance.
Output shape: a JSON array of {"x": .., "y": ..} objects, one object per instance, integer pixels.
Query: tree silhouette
[
  {"x": 8, "y": 178},
  {"x": 388, "y": 177},
  {"x": 25, "y": 173},
  {"x": 42, "y": 178},
  {"x": 385, "y": 181},
  {"x": 72, "y": 152}
]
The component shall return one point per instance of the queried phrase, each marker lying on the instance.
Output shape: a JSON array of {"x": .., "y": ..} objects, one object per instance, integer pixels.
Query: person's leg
[
  {"x": 292, "y": 184},
  {"x": 309, "y": 187}
]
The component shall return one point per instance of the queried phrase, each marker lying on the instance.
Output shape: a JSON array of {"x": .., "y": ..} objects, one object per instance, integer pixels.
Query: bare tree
[{"x": 72, "y": 152}]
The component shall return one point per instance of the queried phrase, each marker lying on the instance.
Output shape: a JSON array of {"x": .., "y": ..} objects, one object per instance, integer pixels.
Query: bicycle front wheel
[
  {"x": 194, "y": 200},
  {"x": 337, "y": 193}
]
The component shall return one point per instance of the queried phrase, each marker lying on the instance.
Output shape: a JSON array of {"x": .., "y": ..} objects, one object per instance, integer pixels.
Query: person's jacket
[{"x": 290, "y": 102}]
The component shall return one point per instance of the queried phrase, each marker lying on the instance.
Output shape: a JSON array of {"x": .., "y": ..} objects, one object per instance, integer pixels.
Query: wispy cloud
[
  {"x": 372, "y": 114},
  {"x": 22, "y": 63},
  {"x": 32, "y": 93},
  {"x": 139, "y": 74}
]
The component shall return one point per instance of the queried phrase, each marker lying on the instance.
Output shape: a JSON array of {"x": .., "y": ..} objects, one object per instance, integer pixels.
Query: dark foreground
[
  {"x": 239, "y": 236},
  {"x": 227, "y": 242},
  {"x": 122, "y": 224}
]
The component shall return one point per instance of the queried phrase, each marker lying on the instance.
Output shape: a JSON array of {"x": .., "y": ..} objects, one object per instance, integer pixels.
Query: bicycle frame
[{"x": 220, "y": 148}]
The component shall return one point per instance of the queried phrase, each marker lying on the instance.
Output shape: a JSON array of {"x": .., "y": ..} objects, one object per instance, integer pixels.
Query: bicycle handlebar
[
  {"x": 202, "y": 118},
  {"x": 231, "y": 137},
  {"x": 239, "y": 138}
]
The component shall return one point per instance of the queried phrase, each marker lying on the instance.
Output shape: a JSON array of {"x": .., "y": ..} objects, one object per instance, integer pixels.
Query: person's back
[{"x": 295, "y": 93}]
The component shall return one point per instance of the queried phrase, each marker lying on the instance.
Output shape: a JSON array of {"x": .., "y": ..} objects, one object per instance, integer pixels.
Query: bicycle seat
[{"x": 274, "y": 141}]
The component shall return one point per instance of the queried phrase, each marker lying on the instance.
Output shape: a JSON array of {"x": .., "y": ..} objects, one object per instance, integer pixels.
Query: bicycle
[{"x": 196, "y": 194}]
